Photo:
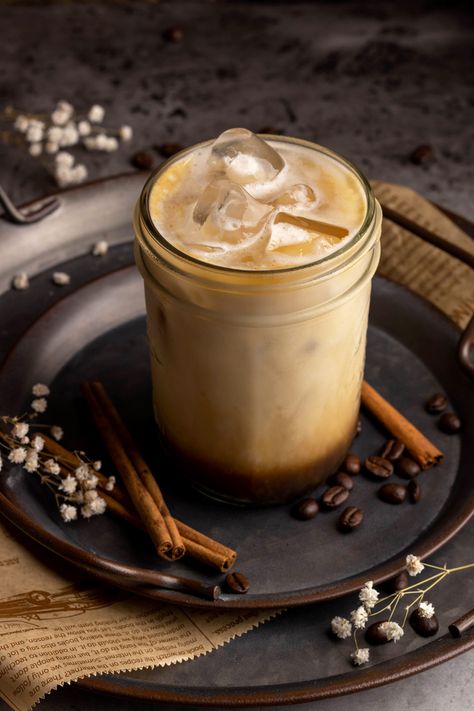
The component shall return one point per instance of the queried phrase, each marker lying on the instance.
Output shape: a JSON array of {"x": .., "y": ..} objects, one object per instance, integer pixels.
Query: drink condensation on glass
[{"x": 257, "y": 257}]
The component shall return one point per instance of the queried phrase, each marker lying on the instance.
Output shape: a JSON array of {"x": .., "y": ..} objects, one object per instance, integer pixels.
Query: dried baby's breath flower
[
  {"x": 125, "y": 133},
  {"x": 20, "y": 430},
  {"x": 414, "y": 565},
  {"x": 360, "y": 656},
  {"x": 359, "y": 617},
  {"x": 21, "y": 123},
  {"x": 368, "y": 595},
  {"x": 110, "y": 483},
  {"x": 68, "y": 484},
  {"x": 84, "y": 128},
  {"x": 39, "y": 404},
  {"x": 94, "y": 508},
  {"x": 20, "y": 281},
  {"x": 68, "y": 512},
  {"x": 82, "y": 472},
  {"x": 91, "y": 482},
  {"x": 391, "y": 630},
  {"x": 35, "y": 132},
  {"x": 35, "y": 149},
  {"x": 37, "y": 443},
  {"x": 97, "y": 465},
  {"x": 52, "y": 466},
  {"x": 426, "y": 610},
  {"x": 57, "y": 432},
  {"x": 100, "y": 248},
  {"x": 60, "y": 278},
  {"x": 59, "y": 118},
  {"x": 55, "y": 133},
  {"x": 341, "y": 627},
  {"x": 40, "y": 390},
  {"x": 32, "y": 461},
  {"x": 65, "y": 158},
  {"x": 96, "y": 114},
  {"x": 17, "y": 455},
  {"x": 70, "y": 135}
]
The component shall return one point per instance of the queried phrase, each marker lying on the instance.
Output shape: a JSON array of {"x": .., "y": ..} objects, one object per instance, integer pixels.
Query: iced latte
[{"x": 257, "y": 255}]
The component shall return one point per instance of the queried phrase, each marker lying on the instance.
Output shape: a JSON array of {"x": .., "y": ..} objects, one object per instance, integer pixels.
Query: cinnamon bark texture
[{"x": 421, "y": 449}]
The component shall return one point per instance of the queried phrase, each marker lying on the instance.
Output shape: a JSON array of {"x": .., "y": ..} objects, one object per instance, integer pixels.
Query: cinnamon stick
[
  {"x": 166, "y": 539},
  {"x": 421, "y": 449},
  {"x": 198, "y": 546}
]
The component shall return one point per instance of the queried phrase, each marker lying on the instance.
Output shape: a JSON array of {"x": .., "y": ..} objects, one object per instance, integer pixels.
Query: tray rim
[{"x": 128, "y": 576}]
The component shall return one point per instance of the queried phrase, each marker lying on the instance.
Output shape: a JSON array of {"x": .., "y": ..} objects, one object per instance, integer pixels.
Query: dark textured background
[{"x": 372, "y": 80}]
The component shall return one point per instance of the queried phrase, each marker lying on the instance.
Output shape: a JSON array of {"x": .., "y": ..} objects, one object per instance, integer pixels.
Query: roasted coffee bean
[
  {"x": 271, "y": 130},
  {"x": 350, "y": 518},
  {"x": 169, "y": 149},
  {"x": 378, "y": 467},
  {"x": 143, "y": 160},
  {"x": 173, "y": 34},
  {"x": 424, "y": 626},
  {"x": 341, "y": 478},
  {"x": 392, "y": 450},
  {"x": 375, "y": 635},
  {"x": 422, "y": 154},
  {"x": 392, "y": 493},
  {"x": 334, "y": 496},
  {"x": 399, "y": 582},
  {"x": 351, "y": 464},
  {"x": 414, "y": 491},
  {"x": 449, "y": 423},
  {"x": 437, "y": 403},
  {"x": 407, "y": 468},
  {"x": 237, "y": 583},
  {"x": 305, "y": 509}
]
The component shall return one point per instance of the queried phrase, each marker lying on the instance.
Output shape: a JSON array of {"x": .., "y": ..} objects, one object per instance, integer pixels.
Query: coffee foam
[{"x": 243, "y": 209}]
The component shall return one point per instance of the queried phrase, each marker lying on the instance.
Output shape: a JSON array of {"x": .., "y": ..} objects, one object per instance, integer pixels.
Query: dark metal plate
[{"x": 99, "y": 332}]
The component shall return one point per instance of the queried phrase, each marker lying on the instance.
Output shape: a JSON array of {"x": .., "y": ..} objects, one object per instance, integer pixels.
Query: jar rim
[{"x": 152, "y": 229}]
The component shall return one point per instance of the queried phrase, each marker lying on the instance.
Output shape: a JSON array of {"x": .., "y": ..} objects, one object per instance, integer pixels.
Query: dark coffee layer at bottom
[{"x": 256, "y": 487}]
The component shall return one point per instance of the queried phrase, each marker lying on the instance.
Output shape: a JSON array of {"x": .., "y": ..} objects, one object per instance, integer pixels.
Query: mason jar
[{"x": 257, "y": 374}]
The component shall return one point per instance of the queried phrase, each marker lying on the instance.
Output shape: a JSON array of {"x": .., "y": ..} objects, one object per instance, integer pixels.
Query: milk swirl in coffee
[{"x": 257, "y": 255}]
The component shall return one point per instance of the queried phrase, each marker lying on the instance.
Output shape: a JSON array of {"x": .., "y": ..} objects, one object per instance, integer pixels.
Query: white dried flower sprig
[
  {"x": 370, "y": 599},
  {"x": 46, "y": 135},
  {"x": 74, "y": 487}
]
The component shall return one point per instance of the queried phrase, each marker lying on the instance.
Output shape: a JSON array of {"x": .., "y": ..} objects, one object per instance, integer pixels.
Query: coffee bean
[
  {"x": 341, "y": 478},
  {"x": 449, "y": 423},
  {"x": 305, "y": 509},
  {"x": 436, "y": 403},
  {"x": 378, "y": 467},
  {"x": 414, "y": 491},
  {"x": 143, "y": 160},
  {"x": 351, "y": 464},
  {"x": 271, "y": 130},
  {"x": 169, "y": 149},
  {"x": 407, "y": 468},
  {"x": 173, "y": 34},
  {"x": 334, "y": 497},
  {"x": 350, "y": 518},
  {"x": 399, "y": 582},
  {"x": 237, "y": 583},
  {"x": 424, "y": 626},
  {"x": 375, "y": 635},
  {"x": 422, "y": 154},
  {"x": 392, "y": 493},
  {"x": 392, "y": 450}
]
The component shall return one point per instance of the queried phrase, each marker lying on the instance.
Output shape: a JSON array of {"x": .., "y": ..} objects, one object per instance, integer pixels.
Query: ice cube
[
  {"x": 244, "y": 157},
  {"x": 298, "y": 196},
  {"x": 227, "y": 213}
]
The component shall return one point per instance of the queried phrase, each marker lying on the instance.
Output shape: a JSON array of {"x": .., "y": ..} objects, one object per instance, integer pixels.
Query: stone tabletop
[{"x": 373, "y": 81}]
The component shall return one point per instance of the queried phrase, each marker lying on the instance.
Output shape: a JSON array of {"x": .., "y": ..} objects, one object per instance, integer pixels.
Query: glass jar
[{"x": 257, "y": 374}]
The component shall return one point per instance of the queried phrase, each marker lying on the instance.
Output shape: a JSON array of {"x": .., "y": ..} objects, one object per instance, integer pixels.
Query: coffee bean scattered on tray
[
  {"x": 351, "y": 464},
  {"x": 449, "y": 423},
  {"x": 378, "y": 467},
  {"x": 237, "y": 583},
  {"x": 407, "y": 468},
  {"x": 350, "y": 519},
  {"x": 375, "y": 635},
  {"x": 169, "y": 149},
  {"x": 173, "y": 34},
  {"x": 414, "y": 491},
  {"x": 436, "y": 404},
  {"x": 392, "y": 493},
  {"x": 305, "y": 509},
  {"x": 424, "y": 626},
  {"x": 143, "y": 160},
  {"x": 392, "y": 450},
  {"x": 334, "y": 497},
  {"x": 399, "y": 582},
  {"x": 341, "y": 478},
  {"x": 421, "y": 155}
]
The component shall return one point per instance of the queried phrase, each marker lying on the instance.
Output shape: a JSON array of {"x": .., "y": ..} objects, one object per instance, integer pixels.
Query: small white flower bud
[{"x": 96, "y": 113}]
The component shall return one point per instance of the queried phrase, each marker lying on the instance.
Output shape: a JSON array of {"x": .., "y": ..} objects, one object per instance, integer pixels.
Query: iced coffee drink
[{"x": 257, "y": 255}]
